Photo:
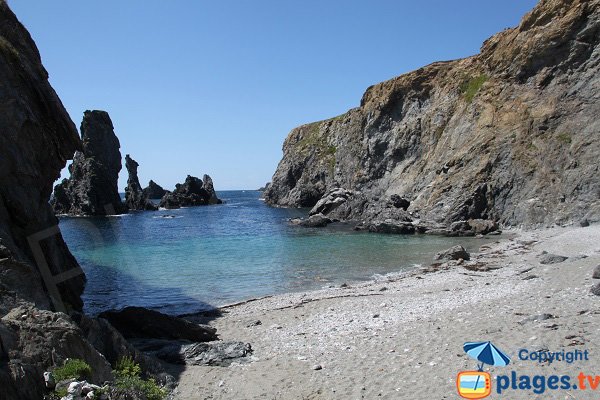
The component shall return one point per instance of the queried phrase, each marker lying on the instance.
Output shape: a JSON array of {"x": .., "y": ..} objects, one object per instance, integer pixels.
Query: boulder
[
  {"x": 472, "y": 227},
  {"x": 193, "y": 192},
  {"x": 453, "y": 253},
  {"x": 139, "y": 322},
  {"x": 154, "y": 191},
  {"x": 179, "y": 352},
  {"x": 595, "y": 290},
  {"x": 330, "y": 201},
  {"x": 552, "y": 259},
  {"x": 91, "y": 188},
  {"x": 315, "y": 221},
  {"x": 135, "y": 199},
  {"x": 596, "y": 273}
]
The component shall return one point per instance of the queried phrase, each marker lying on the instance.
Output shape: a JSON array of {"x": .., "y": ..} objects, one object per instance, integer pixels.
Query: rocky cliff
[
  {"x": 36, "y": 139},
  {"x": 509, "y": 135},
  {"x": 92, "y": 187},
  {"x": 135, "y": 197}
]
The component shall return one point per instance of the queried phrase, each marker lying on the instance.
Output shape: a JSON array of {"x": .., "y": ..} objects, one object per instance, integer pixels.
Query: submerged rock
[
  {"x": 193, "y": 192},
  {"x": 154, "y": 191},
  {"x": 92, "y": 187},
  {"x": 135, "y": 199}
]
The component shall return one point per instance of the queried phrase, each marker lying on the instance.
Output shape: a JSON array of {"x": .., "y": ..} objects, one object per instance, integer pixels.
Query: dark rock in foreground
[
  {"x": 193, "y": 192},
  {"x": 154, "y": 191},
  {"x": 453, "y": 253},
  {"x": 135, "y": 199},
  {"x": 139, "y": 322},
  {"x": 92, "y": 187},
  {"x": 214, "y": 353}
]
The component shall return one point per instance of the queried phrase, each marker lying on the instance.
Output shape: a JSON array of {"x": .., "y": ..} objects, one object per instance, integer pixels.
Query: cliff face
[
  {"x": 92, "y": 186},
  {"x": 510, "y": 134},
  {"x": 36, "y": 138}
]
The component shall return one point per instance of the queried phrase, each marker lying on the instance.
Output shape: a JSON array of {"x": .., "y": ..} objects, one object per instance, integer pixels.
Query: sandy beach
[{"x": 401, "y": 336}]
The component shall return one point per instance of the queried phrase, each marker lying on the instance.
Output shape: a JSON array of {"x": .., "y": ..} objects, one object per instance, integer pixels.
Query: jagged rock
[
  {"x": 154, "y": 191},
  {"x": 135, "y": 198},
  {"x": 453, "y": 253},
  {"x": 193, "y": 192},
  {"x": 487, "y": 137},
  {"x": 595, "y": 290},
  {"x": 92, "y": 187},
  {"x": 139, "y": 322},
  {"x": 596, "y": 273},
  {"x": 584, "y": 223},
  {"x": 37, "y": 339}
]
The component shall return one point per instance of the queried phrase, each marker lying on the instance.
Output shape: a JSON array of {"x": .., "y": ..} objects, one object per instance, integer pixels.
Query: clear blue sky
[{"x": 198, "y": 87}]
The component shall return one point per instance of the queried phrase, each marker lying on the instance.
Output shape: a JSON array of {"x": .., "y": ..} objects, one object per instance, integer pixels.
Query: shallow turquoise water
[{"x": 211, "y": 256}]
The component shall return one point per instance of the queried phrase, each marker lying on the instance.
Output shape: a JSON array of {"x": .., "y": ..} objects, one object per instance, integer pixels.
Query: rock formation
[
  {"x": 509, "y": 135},
  {"x": 135, "y": 198},
  {"x": 92, "y": 186},
  {"x": 193, "y": 192},
  {"x": 37, "y": 137},
  {"x": 154, "y": 191}
]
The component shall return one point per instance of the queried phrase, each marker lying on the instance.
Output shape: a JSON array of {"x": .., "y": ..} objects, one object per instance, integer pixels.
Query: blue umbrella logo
[{"x": 486, "y": 353}]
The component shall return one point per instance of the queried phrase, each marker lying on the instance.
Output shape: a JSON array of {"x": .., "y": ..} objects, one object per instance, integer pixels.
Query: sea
[{"x": 195, "y": 259}]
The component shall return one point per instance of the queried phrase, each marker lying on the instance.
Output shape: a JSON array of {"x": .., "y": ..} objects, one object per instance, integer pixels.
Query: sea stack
[
  {"x": 135, "y": 198},
  {"x": 154, "y": 191},
  {"x": 92, "y": 187},
  {"x": 193, "y": 192}
]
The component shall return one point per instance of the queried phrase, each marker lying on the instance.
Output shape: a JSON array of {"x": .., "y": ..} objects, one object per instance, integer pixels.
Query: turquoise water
[{"x": 210, "y": 256}]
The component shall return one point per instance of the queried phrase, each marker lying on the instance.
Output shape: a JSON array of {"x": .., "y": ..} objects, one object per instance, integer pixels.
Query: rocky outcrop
[
  {"x": 509, "y": 135},
  {"x": 154, "y": 191},
  {"x": 193, "y": 192},
  {"x": 37, "y": 137},
  {"x": 135, "y": 199},
  {"x": 92, "y": 187},
  {"x": 139, "y": 322}
]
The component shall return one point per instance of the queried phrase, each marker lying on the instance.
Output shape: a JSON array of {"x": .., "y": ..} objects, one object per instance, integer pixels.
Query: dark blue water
[{"x": 211, "y": 256}]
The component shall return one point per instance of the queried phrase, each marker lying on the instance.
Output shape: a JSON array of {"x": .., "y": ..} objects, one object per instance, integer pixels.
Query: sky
[{"x": 196, "y": 87}]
